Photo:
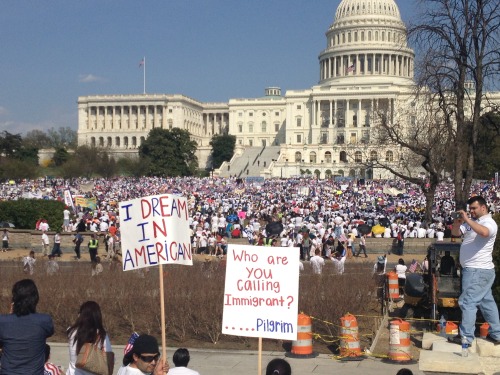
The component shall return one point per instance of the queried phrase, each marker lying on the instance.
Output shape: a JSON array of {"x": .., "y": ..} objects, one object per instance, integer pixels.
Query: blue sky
[{"x": 54, "y": 51}]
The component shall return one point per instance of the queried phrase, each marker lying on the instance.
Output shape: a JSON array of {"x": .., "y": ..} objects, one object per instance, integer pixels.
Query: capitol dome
[
  {"x": 366, "y": 40},
  {"x": 364, "y": 8}
]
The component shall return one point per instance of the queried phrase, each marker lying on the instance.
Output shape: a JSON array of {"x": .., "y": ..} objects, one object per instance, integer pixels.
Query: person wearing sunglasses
[{"x": 144, "y": 358}]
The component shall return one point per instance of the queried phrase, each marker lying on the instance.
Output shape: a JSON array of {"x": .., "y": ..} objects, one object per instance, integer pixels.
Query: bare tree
[
  {"x": 421, "y": 137},
  {"x": 459, "y": 44}
]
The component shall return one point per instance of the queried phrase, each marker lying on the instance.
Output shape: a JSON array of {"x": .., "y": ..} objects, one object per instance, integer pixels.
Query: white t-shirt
[
  {"x": 476, "y": 251},
  {"x": 72, "y": 370},
  {"x": 317, "y": 264},
  {"x": 182, "y": 371},
  {"x": 401, "y": 271}
]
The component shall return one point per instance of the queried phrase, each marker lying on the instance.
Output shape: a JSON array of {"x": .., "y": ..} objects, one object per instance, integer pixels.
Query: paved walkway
[{"x": 222, "y": 362}]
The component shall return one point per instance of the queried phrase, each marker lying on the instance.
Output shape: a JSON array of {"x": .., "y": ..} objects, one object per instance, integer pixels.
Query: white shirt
[
  {"x": 401, "y": 271},
  {"x": 317, "y": 264},
  {"x": 72, "y": 370},
  {"x": 476, "y": 251},
  {"x": 182, "y": 371}
]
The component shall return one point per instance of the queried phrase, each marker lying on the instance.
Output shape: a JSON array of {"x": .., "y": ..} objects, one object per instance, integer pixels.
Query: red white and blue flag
[
  {"x": 141, "y": 63},
  {"x": 130, "y": 343},
  {"x": 351, "y": 68},
  {"x": 413, "y": 266}
]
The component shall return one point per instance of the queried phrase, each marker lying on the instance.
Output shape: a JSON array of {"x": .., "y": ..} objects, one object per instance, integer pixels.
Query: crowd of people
[{"x": 332, "y": 216}]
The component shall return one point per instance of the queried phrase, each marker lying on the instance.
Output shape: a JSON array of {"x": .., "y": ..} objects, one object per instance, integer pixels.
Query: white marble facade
[{"x": 366, "y": 68}]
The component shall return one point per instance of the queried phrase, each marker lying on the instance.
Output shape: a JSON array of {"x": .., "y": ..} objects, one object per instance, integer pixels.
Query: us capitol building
[{"x": 366, "y": 68}]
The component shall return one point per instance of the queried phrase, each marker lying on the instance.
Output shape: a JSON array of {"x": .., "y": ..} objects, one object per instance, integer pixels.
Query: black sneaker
[
  {"x": 457, "y": 340},
  {"x": 491, "y": 339}
]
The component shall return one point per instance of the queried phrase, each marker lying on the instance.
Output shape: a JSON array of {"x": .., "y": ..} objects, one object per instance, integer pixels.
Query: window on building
[
  {"x": 299, "y": 122},
  {"x": 250, "y": 127},
  {"x": 373, "y": 155},
  {"x": 263, "y": 127},
  {"x": 250, "y": 142},
  {"x": 358, "y": 158},
  {"x": 298, "y": 157},
  {"x": 250, "y": 114},
  {"x": 170, "y": 110},
  {"x": 276, "y": 113},
  {"x": 389, "y": 156},
  {"x": 312, "y": 157},
  {"x": 328, "y": 157},
  {"x": 240, "y": 128},
  {"x": 277, "y": 127},
  {"x": 299, "y": 106},
  {"x": 240, "y": 141},
  {"x": 299, "y": 138},
  {"x": 343, "y": 156},
  {"x": 240, "y": 114}
]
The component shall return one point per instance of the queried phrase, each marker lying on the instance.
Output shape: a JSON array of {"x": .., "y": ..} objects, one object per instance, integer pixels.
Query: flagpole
[{"x": 144, "y": 75}]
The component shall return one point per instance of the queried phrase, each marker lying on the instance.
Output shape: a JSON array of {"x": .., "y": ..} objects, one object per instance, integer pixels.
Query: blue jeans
[{"x": 476, "y": 292}]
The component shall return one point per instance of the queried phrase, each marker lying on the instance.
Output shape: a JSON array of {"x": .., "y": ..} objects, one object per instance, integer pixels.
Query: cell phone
[{"x": 456, "y": 215}]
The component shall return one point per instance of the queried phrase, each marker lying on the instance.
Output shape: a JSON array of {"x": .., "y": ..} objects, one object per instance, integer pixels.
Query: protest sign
[
  {"x": 261, "y": 292},
  {"x": 86, "y": 202},
  {"x": 155, "y": 230}
]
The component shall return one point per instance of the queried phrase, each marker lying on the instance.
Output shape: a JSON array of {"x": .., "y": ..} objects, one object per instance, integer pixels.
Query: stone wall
[{"x": 30, "y": 239}]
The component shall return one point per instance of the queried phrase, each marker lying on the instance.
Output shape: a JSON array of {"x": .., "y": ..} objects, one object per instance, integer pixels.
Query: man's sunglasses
[{"x": 149, "y": 358}]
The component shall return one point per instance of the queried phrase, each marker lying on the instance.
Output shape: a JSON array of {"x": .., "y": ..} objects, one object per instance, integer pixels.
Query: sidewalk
[{"x": 222, "y": 362}]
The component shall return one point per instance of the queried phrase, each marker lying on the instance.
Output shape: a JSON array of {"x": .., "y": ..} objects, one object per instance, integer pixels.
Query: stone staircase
[
  {"x": 440, "y": 356},
  {"x": 250, "y": 163}
]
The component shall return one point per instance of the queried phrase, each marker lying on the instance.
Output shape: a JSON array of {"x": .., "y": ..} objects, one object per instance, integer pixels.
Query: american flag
[
  {"x": 141, "y": 63},
  {"x": 130, "y": 343},
  {"x": 351, "y": 68},
  {"x": 413, "y": 266}
]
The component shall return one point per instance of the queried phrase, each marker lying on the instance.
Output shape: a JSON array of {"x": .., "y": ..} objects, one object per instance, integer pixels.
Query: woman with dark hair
[
  {"x": 88, "y": 328},
  {"x": 23, "y": 332},
  {"x": 278, "y": 366}
]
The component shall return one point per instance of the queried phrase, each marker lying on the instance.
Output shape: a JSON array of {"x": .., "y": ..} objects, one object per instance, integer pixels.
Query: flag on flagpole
[
  {"x": 413, "y": 266},
  {"x": 141, "y": 63},
  {"x": 351, "y": 68}
]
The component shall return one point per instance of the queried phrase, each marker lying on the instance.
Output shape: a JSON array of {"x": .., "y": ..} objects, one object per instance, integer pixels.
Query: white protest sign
[
  {"x": 155, "y": 230},
  {"x": 261, "y": 292}
]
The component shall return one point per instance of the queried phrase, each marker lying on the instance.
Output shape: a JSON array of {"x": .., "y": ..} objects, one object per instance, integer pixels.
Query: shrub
[{"x": 24, "y": 213}]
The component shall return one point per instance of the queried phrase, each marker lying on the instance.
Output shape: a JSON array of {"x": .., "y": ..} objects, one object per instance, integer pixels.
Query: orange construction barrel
[
  {"x": 393, "y": 284},
  {"x": 349, "y": 336},
  {"x": 451, "y": 328},
  {"x": 399, "y": 341},
  {"x": 483, "y": 330},
  {"x": 302, "y": 347}
]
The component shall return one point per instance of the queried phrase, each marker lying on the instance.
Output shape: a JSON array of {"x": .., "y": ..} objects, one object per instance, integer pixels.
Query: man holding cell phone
[{"x": 478, "y": 271}]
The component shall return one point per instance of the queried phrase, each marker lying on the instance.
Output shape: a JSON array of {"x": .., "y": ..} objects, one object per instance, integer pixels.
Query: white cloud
[{"x": 86, "y": 78}]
